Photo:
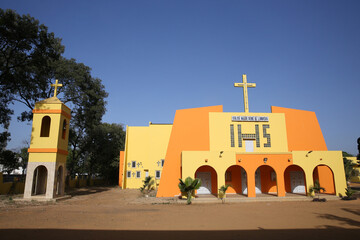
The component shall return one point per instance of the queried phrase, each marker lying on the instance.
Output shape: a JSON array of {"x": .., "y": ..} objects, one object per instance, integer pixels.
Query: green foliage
[
  {"x": 9, "y": 161},
  {"x": 345, "y": 154},
  {"x": 30, "y": 60},
  {"x": 316, "y": 188},
  {"x": 224, "y": 188},
  {"x": 349, "y": 169},
  {"x": 222, "y": 192},
  {"x": 189, "y": 187},
  {"x": 27, "y": 52},
  {"x": 23, "y": 157},
  {"x": 98, "y": 153},
  {"x": 148, "y": 185},
  {"x": 349, "y": 192}
]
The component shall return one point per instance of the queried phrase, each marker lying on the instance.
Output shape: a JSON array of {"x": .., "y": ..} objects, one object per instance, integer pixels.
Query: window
[
  {"x": 64, "y": 129},
  {"x": 162, "y": 162},
  {"x": 146, "y": 173},
  {"x": 157, "y": 174},
  {"x": 133, "y": 164},
  {"x": 232, "y": 140},
  {"x": 138, "y": 174},
  {"x": 129, "y": 174},
  {"x": 45, "y": 127}
]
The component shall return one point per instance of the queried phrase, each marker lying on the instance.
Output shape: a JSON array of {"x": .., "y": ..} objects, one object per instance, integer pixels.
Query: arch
[
  {"x": 208, "y": 177},
  {"x": 45, "y": 126},
  {"x": 295, "y": 180},
  {"x": 325, "y": 176},
  {"x": 63, "y": 135},
  {"x": 265, "y": 180},
  {"x": 235, "y": 176},
  {"x": 39, "y": 180},
  {"x": 59, "y": 180}
]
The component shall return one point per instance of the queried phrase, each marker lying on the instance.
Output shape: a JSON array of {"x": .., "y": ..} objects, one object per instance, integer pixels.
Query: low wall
[
  {"x": 83, "y": 181},
  {"x": 11, "y": 187},
  {"x": 17, "y": 187}
]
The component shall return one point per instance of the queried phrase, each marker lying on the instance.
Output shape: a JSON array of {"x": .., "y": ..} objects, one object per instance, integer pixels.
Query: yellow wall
[
  {"x": 147, "y": 146},
  {"x": 6, "y": 187},
  {"x": 220, "y": 132},
  {"x": 55, "y": 139},
  {"x": 192, "y": 160},
  {"x": 47, "y": 157},
  {"x": 332, "y": 159}
]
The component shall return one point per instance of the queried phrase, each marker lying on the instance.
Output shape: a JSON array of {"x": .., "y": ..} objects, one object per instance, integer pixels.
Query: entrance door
[
  {"x": 257, "y": 181},
  {"x": 297, "y": 182},
  {"x": 243, "y": 182},
  {"x": 249, "y": 146},
  {"x": 205, "y": 178}
]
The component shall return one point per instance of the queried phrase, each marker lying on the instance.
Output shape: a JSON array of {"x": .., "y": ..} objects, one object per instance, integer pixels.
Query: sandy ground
[{"x": 112, "y": 213}]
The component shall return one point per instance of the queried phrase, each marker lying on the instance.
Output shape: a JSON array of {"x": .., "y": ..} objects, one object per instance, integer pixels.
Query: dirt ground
[{"x": 112, "y": 213}]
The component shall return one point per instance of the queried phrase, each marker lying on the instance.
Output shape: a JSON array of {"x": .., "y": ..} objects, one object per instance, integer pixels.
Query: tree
[
  {"x": 27, "y": 53},
  {"x": 189, "y": 187},
  {"x": 104, "y": 145},
  {"x": 349, "y": 167},
  {"x": 30, "y": 60},
  {"x": 9, "y": 161},
  {"x": 23, "y": 157}
]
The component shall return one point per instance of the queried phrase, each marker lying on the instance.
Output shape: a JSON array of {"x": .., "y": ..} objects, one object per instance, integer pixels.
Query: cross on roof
[
  {"x": 245, "y": 85},
  {"x": 56, "y": 85}
]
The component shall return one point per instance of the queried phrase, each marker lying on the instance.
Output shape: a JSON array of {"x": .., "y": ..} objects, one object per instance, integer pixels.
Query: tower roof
[{"x": 52, "y": 100}]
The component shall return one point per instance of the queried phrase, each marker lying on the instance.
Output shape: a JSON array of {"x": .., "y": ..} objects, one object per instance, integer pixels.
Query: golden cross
[
  {"x": 56, "y": 85},
  {"x": 245, "y": 85}
]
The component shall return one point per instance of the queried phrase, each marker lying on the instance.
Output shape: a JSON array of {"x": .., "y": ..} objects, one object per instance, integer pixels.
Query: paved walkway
[{"x": 209, "y": 198}]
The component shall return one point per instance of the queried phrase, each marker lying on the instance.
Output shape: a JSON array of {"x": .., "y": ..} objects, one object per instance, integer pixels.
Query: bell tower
[{"x": 45, "y": 178}]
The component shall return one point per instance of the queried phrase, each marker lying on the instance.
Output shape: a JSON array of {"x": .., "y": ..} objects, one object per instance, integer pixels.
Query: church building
[{"x": 275, "y": 153}]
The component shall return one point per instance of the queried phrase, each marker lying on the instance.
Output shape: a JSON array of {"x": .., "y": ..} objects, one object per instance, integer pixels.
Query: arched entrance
[
  {"x": 325, "y": 176},
  {"x": 39, "y": 181},
  {"x": 235, "y": 176},
  {"x": 294, "y": 178},
  {"x": 59, "y": 180},
  {"x": 265, "y": 180},
  {"x": 208, "y": 178}
]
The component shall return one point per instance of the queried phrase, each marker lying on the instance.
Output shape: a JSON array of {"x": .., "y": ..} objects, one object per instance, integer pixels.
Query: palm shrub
[
  {"x": 222, "y": 192},
  {"x": 349, "y": 194},
  {"x": 316, "y": 189},
  {"x": 148, "y": 185},
  {"x": 349, "y": 169},
  {"x": 189, "y": 186}
]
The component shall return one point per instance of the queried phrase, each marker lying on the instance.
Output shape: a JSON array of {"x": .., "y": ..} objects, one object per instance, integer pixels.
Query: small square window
[
  {"x": 129, "y": 174},
  {"x": 162, "y": 162},
  {"x": 133, "y": 164},
  {"x": 157, "y": 174},
  {"x": 138, "y": 174}
]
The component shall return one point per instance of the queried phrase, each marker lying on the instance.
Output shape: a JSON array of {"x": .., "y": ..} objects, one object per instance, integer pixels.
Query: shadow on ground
[
  {"x": 55, "y": 234},
  {"x": 87, "y": 191}
]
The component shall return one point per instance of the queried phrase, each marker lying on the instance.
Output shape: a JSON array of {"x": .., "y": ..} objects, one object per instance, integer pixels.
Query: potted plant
[
  {"x": 222, "y": 192},
  {"x": 317, "y": 189},
  {"x": 189, "y": 186}
]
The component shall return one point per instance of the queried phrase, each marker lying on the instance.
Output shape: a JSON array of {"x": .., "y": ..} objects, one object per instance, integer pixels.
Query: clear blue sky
[{"x": 158, "y": 56}]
